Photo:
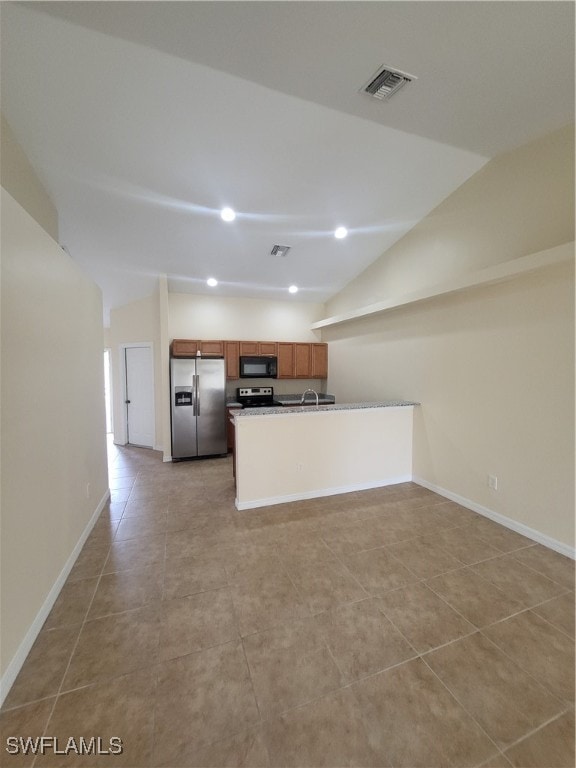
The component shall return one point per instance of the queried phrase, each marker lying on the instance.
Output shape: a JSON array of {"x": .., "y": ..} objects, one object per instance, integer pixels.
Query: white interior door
[{"x": 139, "y": 396}]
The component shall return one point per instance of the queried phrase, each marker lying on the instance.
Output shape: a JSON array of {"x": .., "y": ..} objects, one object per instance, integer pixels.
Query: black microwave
[{"x": 260, "y": 367}]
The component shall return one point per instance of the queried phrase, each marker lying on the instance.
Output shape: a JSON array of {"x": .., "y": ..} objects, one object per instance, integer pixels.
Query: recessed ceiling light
[
  {"x": 227, "y": 214},
  {"x": 293, "y": 289},
  {"x": 340, "y": 233},
  {"x": 212, "y": 282}
]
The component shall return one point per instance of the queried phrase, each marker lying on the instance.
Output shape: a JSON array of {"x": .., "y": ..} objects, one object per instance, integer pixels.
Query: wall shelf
[{"x": 493, "y": 274}]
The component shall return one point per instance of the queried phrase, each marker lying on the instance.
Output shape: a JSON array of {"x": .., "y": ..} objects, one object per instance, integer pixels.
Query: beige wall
[
  {"x": 18, "y": 178},
  {"x": 315, "y": 459},
  {"x": 207, "y": 317},
  {"x": 134, "y": 323},
  {"x": 53, "y": 445},
  {"x": 493, "y": 369},
  {"x": 519, "y": 203},
  {"x": 493, "y": 366}
]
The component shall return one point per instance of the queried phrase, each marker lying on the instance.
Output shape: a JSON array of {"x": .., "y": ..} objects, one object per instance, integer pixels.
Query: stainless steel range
[{"x": 256, "y": 397}]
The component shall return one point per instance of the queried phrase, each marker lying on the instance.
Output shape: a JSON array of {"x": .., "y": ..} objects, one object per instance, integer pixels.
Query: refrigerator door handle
[
  {"x": 197, "y": 395},
  {"x": 193, "y": 395}
]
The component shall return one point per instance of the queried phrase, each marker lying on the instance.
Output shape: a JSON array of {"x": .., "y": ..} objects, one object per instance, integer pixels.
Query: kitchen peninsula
[{"x": 291, "y": 453}]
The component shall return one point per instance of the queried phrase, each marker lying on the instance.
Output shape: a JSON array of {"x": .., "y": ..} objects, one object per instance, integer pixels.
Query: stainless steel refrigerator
[{"x": 198, "y": 392}]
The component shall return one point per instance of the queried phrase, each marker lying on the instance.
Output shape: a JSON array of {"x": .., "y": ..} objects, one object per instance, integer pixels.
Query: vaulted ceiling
[{"x": 144, "y": 119}]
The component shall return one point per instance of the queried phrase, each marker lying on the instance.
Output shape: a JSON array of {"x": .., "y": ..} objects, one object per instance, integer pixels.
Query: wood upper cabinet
[
  {"x": 296, "y": 360},
  {"x": 233, "y": 350},
  {"x": 214, "y": 348},
  {"x": 258, "y": 348},
  {"x": 285, "y": 360},
  {"x": 248, "y": 347},
  {"x": 231, "y": 355},
  {"x": 184, "y": 348},
  {"x": 190, "y": 348},
  {"x": 302, "y": 361},
  {"x": 319, "y": 361},
  {"x": 268, "y": 348}
]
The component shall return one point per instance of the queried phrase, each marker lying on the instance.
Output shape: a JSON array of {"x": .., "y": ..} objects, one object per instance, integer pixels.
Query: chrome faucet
[{"x": 305, "y": 393}]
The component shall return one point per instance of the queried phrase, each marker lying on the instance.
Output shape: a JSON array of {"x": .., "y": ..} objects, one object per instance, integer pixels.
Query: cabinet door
[
  {"x": 319, "y": 361},
  {"x": 248, "y": 347},
  {"x": 215, "y": 348},
  {"x": 184, "y": 348},
  {"x": 232, "y": 353},
  {"x": 230, "y": 429},
  {"x": 303, "y": 361},
  {"x": 267, "y": 348},
  {"x": 285, "y": 360}
]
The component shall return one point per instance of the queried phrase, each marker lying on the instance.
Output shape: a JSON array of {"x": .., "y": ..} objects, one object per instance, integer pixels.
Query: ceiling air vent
[
  {"x": 279, "y": 250},
  {"x": 387, "y": 81}
]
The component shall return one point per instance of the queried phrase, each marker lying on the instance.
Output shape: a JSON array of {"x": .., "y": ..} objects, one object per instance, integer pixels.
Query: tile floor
[{"x": 383, "y": 628}]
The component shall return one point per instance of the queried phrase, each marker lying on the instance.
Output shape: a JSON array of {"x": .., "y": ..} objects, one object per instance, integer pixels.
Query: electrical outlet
[
  {"x": 299, "y": 467},
  {"x": 493, "y": 482}
]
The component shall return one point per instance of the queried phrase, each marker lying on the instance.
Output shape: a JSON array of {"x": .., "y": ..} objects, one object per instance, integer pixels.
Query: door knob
[{"x": 126, "y": 401}]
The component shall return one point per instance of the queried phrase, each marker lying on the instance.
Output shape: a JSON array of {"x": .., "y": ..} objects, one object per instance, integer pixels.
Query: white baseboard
[
  {"x": 19, "y": 657},
  {"x": 508, "y": 522},
  {"x": 255, "y": 503}
]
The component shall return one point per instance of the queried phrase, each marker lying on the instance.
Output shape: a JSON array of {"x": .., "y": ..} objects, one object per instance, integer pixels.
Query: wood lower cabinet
[
  {"x": 230, "y": 429},
  {"x": 231, "y": 439}
]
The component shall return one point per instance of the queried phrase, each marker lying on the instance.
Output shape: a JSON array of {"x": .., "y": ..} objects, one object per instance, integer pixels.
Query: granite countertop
[
  {"x": 323, "y": 399},
  {"x": 287, "y": 400},
  {"x": 278, "y": 410}
]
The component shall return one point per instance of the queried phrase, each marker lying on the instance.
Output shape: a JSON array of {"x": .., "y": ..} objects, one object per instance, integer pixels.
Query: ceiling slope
[{"x": 143, "y": 120}]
